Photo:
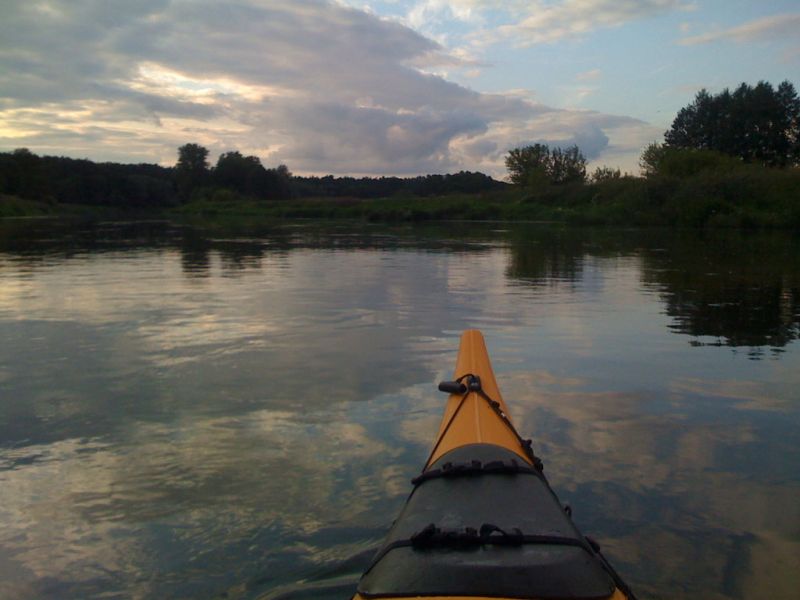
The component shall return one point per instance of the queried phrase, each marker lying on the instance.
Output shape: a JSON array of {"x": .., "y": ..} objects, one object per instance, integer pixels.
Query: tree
[
  {"x": 754, "y": 123},
  {"x": 192, "y": 168},
  {"x": 24, "y": 175},
  {"x": 567, "y": 166},
  {"x": 528, "y": 165},
  {"x": 283, "y": 182},
  {"x": 651, "y": 158},
  {"x": 605, "y": 173},
  {"x": 192, "y": 158},
  {"x": 245, "y": 174},
  {"x": 658, "y": 159},
  {"x": 538, "y": 165}
]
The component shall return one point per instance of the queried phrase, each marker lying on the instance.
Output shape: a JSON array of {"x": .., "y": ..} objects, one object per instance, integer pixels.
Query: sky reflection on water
[{"x": 190, "y": 415}]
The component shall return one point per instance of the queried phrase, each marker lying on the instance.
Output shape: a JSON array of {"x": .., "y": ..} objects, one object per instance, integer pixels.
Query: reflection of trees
[
  {"x": 547, "y": 255},
  {"x": 743, "y": 290},
  {"x": 240, "y": 256},
  {"x": 195, "y": 255}
]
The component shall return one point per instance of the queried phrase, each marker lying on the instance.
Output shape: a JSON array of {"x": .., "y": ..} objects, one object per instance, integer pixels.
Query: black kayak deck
[{"x": 482, "y": 527}]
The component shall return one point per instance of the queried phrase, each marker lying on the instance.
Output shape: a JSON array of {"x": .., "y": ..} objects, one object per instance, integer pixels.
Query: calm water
[{"x": 186, "y": 414}]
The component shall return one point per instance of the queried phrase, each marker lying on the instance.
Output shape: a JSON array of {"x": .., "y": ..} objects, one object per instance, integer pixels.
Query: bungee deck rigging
[{"x": 482, "y": 520}]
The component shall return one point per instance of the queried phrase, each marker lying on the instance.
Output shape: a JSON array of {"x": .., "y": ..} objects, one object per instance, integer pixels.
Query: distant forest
[{"x": 81, "y": 181}]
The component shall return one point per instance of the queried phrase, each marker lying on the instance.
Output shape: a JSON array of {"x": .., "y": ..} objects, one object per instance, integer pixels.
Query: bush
[
  {"x": 658, "y": 160},
  {"x": 605, "y": 173},
  {"x": 680, "y": 162}
]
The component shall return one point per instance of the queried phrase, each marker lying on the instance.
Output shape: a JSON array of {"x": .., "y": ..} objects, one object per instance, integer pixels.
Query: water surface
[{"x": 237, "y": 413}]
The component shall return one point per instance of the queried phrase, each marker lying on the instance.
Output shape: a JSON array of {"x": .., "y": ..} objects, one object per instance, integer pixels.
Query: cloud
[
  {"x": 591, "y": 75},
  {"x": 528, "y": 22},
  {"x": 320, "y": 86},
  {"x": 422, "y": 13},
  {"x": 765, "y": 28},
  {"x": 547, "y": 22}
]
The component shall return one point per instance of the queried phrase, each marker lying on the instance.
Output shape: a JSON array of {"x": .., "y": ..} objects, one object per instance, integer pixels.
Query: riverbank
[
  {"x": 745, "y": 198},
  {"x": 14, "y": 206}
]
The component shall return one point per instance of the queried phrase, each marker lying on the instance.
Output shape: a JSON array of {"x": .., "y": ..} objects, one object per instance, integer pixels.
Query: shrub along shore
[{"x": 746, "y": 196}]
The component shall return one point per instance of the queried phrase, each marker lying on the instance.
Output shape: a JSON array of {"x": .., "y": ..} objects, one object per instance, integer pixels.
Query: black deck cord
[
  {"x": 618, "y": 581},
  {"x": 526, "y": 444},
  {"x": 433, "y": 537},
  {"x": 449, "y": 470},
  {"x": 452, "y": 418},
  {"x": 475, "y": 386}
]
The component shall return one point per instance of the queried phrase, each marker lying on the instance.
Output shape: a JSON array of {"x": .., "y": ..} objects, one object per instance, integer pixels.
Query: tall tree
[
  {"x": 241, "y": 173},
  {"x": 567, "y": 166},
  {"x": 192, "y": 168},
  {"x": 528, "y": 165},
  {"x": 755, "y": 123},
  {"x": 192, "y": 158},
  {"x": 537, "y": 165}
]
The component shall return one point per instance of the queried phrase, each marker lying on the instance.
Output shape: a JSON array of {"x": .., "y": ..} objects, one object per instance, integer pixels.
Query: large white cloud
[{"x": 318, "y": 85}]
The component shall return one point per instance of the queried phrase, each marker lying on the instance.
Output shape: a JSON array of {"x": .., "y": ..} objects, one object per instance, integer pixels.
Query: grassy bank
[
  {"x": 13, "y": 206},
  {"x": 492, "y": 205},
  {"x": 747, "y": 197}
]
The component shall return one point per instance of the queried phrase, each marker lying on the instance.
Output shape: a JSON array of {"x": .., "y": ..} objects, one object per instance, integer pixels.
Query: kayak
[{"x": 482, "y": 520}]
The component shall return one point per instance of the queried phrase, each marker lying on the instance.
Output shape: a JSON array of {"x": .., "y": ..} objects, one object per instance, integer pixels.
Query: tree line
[
  {"x": 751, "y": 125},
  {"x": 81, "y": 181},
  {"x": 756, "y": 125}
]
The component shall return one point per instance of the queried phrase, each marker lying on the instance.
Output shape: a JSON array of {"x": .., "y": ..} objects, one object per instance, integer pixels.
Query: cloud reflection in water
[{"x": 187, "y": 415}]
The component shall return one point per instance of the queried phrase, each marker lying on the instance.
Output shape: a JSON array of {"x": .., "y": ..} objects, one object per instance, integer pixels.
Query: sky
[{"x": 374, "y": 87}]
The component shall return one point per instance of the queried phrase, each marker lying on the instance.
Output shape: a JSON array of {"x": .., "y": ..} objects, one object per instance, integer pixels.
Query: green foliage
[
  {"x": 660, "y": 160},
  {"x": 503, "y": 204},
  {"x": 192, "y": 158},
  {"x": 71, "y": 181},
  {"x": 528, "y": 165},
  {"x": 13, "y": 206},
  {"x": 537, "y": 165},
  {"x": 605, "y": 173},
  {"x": 21, "y": 174},
  {"x": 746, "y": 197},
  {"x": 736, "y": 195},
  {"x": 686, "y": 188},
  {"x": 191, "y": 171},
  {"x": 651, "y": 158},
  {"x": 567, "y": 166},
  {"x": 246, "y": 175},
  {"x": 677, "y": 162},
  {"x": 463, "y": 182},
  {"x": 755, "y": 123}
]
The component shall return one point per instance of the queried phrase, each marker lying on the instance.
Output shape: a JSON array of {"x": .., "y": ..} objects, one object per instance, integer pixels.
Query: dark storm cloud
[{"x": 315, "y": 84}]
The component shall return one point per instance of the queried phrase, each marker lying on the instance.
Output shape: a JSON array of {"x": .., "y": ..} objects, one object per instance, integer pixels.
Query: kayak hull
[
  {"x": 617, "y": 595},
  {"x": 482, "y": 520}
]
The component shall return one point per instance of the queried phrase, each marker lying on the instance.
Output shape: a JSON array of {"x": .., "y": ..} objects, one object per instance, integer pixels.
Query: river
[{"x": 236, "y": 412}]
